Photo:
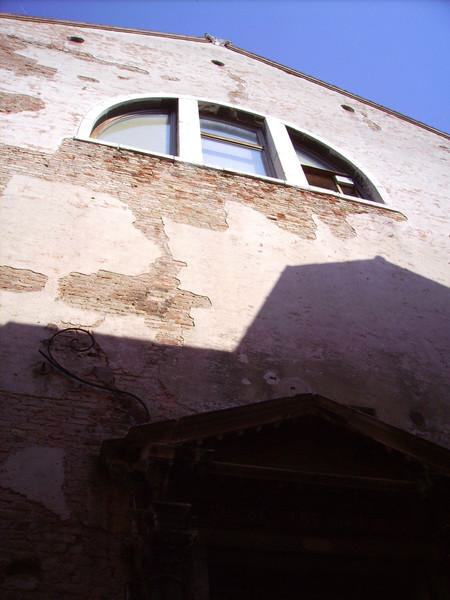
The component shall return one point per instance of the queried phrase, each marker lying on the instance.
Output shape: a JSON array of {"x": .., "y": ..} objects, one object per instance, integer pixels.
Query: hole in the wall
[
  {"x": 348, "y": 108},
  {"x": 271, "y": 378},
  {"x": 219, "y": 63},
  {"x": 76, "y": 39}
]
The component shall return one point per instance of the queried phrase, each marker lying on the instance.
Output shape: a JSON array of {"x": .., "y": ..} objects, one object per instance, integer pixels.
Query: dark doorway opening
[{"x": 270, "y": 576}]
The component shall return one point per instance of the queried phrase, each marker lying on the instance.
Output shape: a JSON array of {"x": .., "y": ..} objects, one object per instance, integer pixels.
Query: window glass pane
[
  {"x": 344, "y": 180},
  {"x": 233, "y": 132},
  {"x": 146, "y": 131},
  {"x": 230, "y": 156},
  {"x": 349, "y": 190},
  {"x": 320, "y": 178},
  {"x": 312, "y": 160}
]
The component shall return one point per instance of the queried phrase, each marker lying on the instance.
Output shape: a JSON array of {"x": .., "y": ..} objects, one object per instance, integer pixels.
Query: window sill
[{"x": 274, "y": 180}]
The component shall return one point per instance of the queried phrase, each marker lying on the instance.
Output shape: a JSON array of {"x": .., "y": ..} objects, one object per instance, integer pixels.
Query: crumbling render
[
  {"x": 78, "y": 53},
  {"x": 240, "y": 93},
  {"x": 20, "y": 65}
]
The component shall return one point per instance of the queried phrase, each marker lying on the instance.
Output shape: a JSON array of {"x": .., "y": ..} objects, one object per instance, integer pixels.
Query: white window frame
[
  {"x": 278, "y": 143},
  {"x": 169, "y": 112},
  {"x": 260, "y": 146}
]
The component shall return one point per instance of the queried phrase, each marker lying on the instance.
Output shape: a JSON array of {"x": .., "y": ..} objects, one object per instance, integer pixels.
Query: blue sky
[{"x": 394, "y": 52}]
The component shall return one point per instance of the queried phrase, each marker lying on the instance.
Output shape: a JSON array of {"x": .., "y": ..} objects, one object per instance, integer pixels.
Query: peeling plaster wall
[
  {"x": 38, "y": 473},
  {"x": 203, "y": 289}
]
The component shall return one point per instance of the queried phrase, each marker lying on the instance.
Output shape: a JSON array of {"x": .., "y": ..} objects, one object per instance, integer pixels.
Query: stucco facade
[{"x": 203, "y": 288}]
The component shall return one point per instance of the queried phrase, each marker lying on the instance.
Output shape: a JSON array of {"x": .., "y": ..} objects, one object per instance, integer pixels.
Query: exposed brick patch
[
  {"x": 13, "y": 103},
  {"x": 18, "y": 160},
  {"x": 20, "y": 65},
  {"x": 21, "y": 280},
  {"x": 154, "y": 295},
  {"x": 155, "y": 188},
  {"x": 197, "y": 195}
]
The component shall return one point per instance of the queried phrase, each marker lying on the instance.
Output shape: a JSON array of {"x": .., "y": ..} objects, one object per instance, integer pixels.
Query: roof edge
[
  {"x": 227, "y": 421},
  {"x": 82, "y": 24},
  {"x": 238, "y": 50},
  {"x": 335, "y": 88}
]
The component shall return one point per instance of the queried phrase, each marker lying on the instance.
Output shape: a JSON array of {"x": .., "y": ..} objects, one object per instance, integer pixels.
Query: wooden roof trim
[
  {"x": 233, "y": 420},
  {"x": 230, "y": 46}
]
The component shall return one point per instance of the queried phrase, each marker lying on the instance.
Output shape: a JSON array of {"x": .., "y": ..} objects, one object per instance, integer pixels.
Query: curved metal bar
[{"x": 76, "y": 346}]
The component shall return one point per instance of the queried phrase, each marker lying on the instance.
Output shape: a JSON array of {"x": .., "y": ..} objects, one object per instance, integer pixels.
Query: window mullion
[
  {"x": 282, "y": 153},
  {"x": 189, "y": 141}
]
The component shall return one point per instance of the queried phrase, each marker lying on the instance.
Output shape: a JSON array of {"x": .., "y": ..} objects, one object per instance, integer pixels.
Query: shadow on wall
[{"x": 364, "y": 333}]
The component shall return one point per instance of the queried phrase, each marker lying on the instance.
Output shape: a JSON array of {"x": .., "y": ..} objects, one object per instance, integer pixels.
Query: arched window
[
  {"x": 229, "y": 138},
  {"x": 145, "y": 125},
  {"x": 233, "y": 140},
  {"x": 325, "y": 169}
]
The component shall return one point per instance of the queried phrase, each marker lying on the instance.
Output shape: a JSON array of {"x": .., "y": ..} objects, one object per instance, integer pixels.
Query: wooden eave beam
[
  {"x": 246, "y": 471},
  {"x": 271, "y": 412}
]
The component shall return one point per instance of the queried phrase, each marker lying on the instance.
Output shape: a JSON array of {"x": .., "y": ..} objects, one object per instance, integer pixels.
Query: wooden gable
[
  {"x": 307, "y": 431},
  {"x": 293, "y": 487}
]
